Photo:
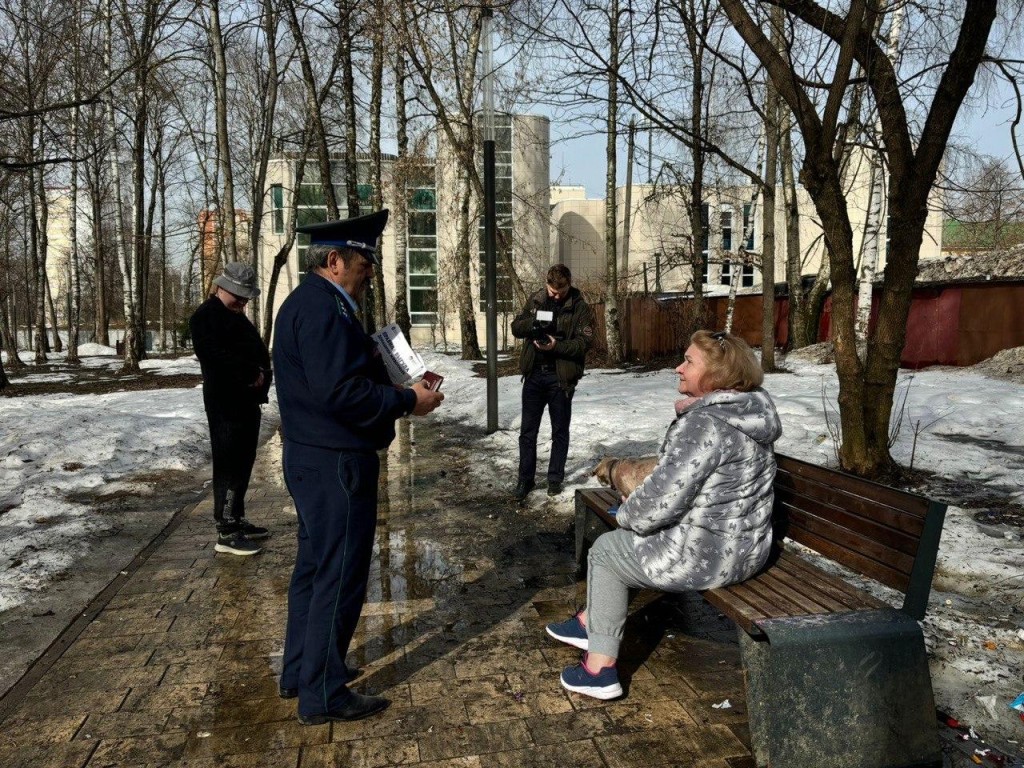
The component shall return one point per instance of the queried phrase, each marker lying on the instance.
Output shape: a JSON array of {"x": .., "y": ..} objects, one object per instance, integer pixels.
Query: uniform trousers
[
  {"x": 541, "y": 390},
  {"x": 234, "y": 436},
  {"x": 335, "y": 495}
]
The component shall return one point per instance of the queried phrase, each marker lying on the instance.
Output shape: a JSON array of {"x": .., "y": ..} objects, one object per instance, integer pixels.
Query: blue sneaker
[
  {"x": 570, "y": 631},
  {"x": 602, "y": 685}
]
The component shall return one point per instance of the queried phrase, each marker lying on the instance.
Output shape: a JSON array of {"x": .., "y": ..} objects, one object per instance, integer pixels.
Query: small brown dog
[{"x": 624, "y": 475}]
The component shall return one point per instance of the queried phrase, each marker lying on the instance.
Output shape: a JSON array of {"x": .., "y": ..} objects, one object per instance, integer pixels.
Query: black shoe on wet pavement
[
  {"x": 554, "y": 487},
  {"x": 252, "y": 532},
  {"x": 235, "y": 543},
  {"x": 357, "y": 707},
  {"x": 523, "y": 488}
]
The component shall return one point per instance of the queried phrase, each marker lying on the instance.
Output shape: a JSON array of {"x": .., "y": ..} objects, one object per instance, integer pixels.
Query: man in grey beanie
[{"x": 236, "y": 380}]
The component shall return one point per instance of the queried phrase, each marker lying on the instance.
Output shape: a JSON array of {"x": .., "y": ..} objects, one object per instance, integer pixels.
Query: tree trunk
[
  {"x": 377, "y": 182},
  {"x": 613, "y": 331},
  {"x": 226, "y": 219},
  {"x": 794, "y": 266},
  {"x": 39, "y": 242},
  {"x": 771, "y": 164},
  {"x": 315, "y": 119},
  {"x": 467, "y": 312},
  {"x": 264, "y": 305},
  {"x": 401, "y": 176}
]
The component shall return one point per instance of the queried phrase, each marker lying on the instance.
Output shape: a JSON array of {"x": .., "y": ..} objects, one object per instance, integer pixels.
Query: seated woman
[{"x": 696, "y": 517}]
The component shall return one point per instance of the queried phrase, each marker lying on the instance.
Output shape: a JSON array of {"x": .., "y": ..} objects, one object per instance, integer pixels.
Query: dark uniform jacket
[
  {"x": 332, "y": 387},
  {"x": 231, "y": 355},
  {"x": 574, "y": 321}
]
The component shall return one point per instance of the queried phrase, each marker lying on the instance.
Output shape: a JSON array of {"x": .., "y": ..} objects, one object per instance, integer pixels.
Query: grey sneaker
[{"x": 236, "y": 543}]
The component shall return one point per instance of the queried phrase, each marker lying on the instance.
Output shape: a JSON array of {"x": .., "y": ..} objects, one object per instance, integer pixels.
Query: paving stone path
[{"x": 179, "y": 664}]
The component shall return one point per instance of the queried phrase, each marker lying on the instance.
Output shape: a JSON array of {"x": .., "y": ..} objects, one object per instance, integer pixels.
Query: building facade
[
  {"x": 432, "y": 199},
  {"x": 659, "y": 236}
]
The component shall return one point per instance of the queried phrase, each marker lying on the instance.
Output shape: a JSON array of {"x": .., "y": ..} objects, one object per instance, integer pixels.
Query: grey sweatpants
[{"x": 612, "y": 570}]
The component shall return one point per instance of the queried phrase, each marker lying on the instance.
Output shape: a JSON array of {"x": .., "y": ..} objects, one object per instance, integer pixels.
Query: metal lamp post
[{"x": 490, "y": 221}]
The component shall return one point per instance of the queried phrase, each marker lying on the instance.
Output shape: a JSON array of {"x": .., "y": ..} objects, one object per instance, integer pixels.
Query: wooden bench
[{"x": 834, "y": 676}]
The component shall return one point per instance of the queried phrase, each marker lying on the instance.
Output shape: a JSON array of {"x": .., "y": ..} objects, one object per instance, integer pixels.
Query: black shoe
[
  {"x": 235, "y": 543},
  {"x": 523, "y": 488},
  {"x": 291, "y": 693},
  {"x": 554, "y": 487},
  {"x": 357, "y": 707},
  {"x": 252, "y": 532}
]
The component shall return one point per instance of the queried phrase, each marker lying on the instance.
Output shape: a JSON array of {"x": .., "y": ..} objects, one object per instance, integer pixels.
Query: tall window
[
  {"x": 422, "y": 254},
  {"x": 725, "y": 218},
  {"x": 726, "y": 272},
  {"x": 503, "y": 213},
  {"x": 277, "y": 207},
  {"x": 747, "y": 276}
]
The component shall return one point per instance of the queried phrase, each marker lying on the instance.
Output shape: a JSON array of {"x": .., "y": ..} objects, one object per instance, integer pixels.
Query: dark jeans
[
  {"x": 335, "y": 494},
  {"x": 539, "y": 390},
  {"x": 233, "y": 438}
]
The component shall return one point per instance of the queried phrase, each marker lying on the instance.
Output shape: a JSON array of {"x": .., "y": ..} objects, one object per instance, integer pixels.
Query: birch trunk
[
  {"x": 876, "y": 204},
  {"x": 794, "y": 278}
]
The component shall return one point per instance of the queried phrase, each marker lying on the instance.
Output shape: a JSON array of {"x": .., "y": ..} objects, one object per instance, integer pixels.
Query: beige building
[
  {"x": 523, "y": 211},
  {"x": 659, "y": 236}
]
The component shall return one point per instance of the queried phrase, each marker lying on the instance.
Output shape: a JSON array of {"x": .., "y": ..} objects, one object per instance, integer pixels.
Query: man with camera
[{"x": 558, "y": 326}]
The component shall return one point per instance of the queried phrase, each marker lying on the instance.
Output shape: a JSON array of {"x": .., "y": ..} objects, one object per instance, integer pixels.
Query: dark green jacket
[{"x": 576, "y": 324}]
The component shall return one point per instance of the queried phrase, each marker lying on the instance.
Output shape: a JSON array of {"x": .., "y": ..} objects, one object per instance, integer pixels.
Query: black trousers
[
  {"x": 541, "y": 390},
  {"x": 233, "y": 437},
  {"x": 335, "y": 495}
]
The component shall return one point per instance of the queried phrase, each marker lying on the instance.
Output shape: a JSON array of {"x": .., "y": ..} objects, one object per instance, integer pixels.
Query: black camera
[{"x": 544, "y": 326}]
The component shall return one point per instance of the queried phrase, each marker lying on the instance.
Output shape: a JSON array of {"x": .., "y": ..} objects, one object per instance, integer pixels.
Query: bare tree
[
  {"x": 441, "y": 41},
  {"x": 866, "y": 390}
]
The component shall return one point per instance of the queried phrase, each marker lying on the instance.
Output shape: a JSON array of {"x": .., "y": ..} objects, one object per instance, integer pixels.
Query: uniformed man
[{"x": 338, "y": 408}]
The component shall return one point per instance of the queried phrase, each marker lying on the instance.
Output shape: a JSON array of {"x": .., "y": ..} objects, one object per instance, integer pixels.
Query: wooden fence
[{"x": 957, "y": 324}]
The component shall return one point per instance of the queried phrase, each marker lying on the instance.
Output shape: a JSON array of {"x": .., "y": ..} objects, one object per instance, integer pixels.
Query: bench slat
[
  {"x": 802, "y": 522},
  {"x": 853, "y": 560},
  {"x": 906, "y": 523},
  {"x": 736, "y": 608},
  {"x": 806, "y": 600},
  {"x": 858, "y": 486},
  {"x": 813, "y": 588},
  {"x": 897, "y": 531},
  {"x": 825, "y": 583}
]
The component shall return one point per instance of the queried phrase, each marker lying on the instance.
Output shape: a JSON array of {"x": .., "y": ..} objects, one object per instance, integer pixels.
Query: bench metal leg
[{"x": 841, "y": 690}]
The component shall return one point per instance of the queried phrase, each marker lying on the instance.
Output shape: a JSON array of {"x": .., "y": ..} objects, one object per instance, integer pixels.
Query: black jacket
[
  {"x": 332, "y": 387},
  {"x": 574, "y": 322},
  {"x": 232, "y": 356}
]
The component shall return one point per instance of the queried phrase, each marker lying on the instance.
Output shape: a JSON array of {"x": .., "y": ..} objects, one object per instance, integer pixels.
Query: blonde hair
[{"x": 729, "y": 363}]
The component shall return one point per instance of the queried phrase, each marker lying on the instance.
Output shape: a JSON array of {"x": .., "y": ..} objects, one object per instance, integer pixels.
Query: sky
[
  {"x": 55, "y": 447},
  {"x": 580, "y": 160}
]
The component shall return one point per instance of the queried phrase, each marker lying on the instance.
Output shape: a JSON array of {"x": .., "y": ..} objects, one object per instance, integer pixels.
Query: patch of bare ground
[{"x": 60, "y": 378}]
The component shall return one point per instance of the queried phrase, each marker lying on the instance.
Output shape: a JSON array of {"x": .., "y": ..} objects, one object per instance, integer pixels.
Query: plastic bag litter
[{"x": 989, "y": 703}]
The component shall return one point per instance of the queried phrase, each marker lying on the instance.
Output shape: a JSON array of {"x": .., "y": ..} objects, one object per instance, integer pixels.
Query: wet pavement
[{"x": 178, "y": 664}]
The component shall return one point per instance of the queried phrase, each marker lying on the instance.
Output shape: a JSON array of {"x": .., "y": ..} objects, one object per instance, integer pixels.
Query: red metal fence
[{"x": 957, "y": 324}]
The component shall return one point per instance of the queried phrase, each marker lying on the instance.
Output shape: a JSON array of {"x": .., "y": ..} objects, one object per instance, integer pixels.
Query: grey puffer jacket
[{"x": 702, "y": 519}]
